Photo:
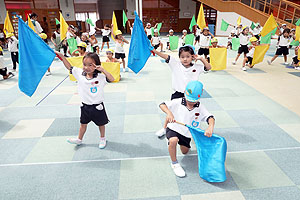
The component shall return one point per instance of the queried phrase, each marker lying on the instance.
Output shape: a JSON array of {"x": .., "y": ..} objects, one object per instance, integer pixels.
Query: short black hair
[
  {"x": 83, "y": 48},
  {"x": 57, "y": 26},
  {"x": 32, "y": 15},
  {"x": 106, "y": 25},
  {"x": 287, "y": 30},
  {"x": 186, "y": 49}
]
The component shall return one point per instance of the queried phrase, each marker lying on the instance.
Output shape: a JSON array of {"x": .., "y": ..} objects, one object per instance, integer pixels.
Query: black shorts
[
  {"x": 257, "y": 36},
  {"x": 105, "y": 39},
  {"x": 295, "y": 60},
  {"x": 184, "y": 141},
  {"x": 282, "y": 50},
  {"x": 119, "y": 55},
  {"x": 249, "y": 60},
  {"x": 95, "y": 113},
  {"x": 168, "y": 44},
  {"x": 3, "y": 71},
  {"x": 156, "y": 46},
  {"x": 243, "y": 49},
  {"x": 149, "y": 37},
  {"x": 204, "y": 51},
  {"x": 197, "y": 38},
  {"x": 177, "y": 95},
  {"x": 95, "y": 48}
]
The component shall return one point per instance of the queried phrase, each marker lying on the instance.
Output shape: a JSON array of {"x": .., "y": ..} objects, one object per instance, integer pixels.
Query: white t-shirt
[
  {"x": 105, "y": 32},
  {"x": 148, "y": 31},
  {"x": 198, "y": 31},
  {"x": 251, "y": 52},
  {"x": 283, "y": 42},
  {"x": 131, "y": 30},
  {"x": 69, "y": 35},
  {"x": 155, "y": 40},
  {"x": 244, "y": 39},
  {"x": 190, "y": 117},
  {"x": 204, "y": 40},
  {"x": 37, "y": 26},
  {"x": 119, "y": 47},
  {"x": 13, "y": 44},
  {"x": 2, "y": 35},
  {"x": 90, "y": 91},
  {"x": 181, "y": 75},
  {"x": 257, "y": 31},
  {"x": 1, "y": 62}
]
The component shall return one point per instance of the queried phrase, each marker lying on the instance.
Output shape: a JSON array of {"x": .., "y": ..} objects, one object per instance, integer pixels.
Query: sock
[
  {"x": 174, "y": 162},
  {"x": 102, "y": 138}
]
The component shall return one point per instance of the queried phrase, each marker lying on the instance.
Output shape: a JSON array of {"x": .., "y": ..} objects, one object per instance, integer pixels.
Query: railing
[{"x": 281, "y": 9}]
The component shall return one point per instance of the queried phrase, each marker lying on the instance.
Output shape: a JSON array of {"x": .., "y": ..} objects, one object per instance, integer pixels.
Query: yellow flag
[
  {"x": 113, "y": 68},
  {"x": 63, "y": 27},
  {"x": 201, "y": 19},
  {"x": 269, "y": 26},
  {"x": 8, "y": 28},
  {"x": 239, "y": 21},
  {"x": 218, "y": 58},
  {"x": 297, "y": 34},
  {"x": 75, "y": 62},
  {"x": 30, "y": 24},
  {"x": 115, "y": 25},
  {"x": 298, "y": 53},
  {"x": 259, "y": 53}
]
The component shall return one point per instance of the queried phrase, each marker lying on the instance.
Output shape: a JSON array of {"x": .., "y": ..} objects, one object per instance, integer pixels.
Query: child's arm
[
  {"x": 211, "y": 34},
  {"x": 151, "y": 41},
  {"x": 74, "y": 53},
  {"x": 165, "y": 109},
  {"x": 64, "y": 60},
  {"x": 124, "y": 40},
  {"x": 156, "y": 25},
  {"x": 106, "y": 73},
  {"x": 160, "y": 54},
  {"x": 207, "y": 66},
  {"x": 210, "y": 129}
]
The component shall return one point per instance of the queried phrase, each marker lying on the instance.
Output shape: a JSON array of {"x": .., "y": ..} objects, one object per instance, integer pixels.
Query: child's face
[
  {"x": 106, "y": 27},
  {"x": 93, "y": 37},
  {"x": 155, "y": 34},
  {"x": 254, "y": 43},
  {"x": 88, "y": 66},
  {"x": 184, "y": 33},
  {"x": 191, "y": 104},
  {"x": 286, "y": 34},
  {"x": 246, "y": 31},
  {"x": 214, "y": 44},
  {"x": 109, "y": 55},
  {"x": 81, "y": 50},
  {"x": 205, "y": 32},
  {"x": 83, "y": 38},
  {"x": 171, "y": 33},
  {"x": 148, "y": 26},
  {"x": 186, "y": 58}
]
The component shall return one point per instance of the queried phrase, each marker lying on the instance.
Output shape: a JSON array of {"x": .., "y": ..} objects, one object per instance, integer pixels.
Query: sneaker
[
  {"x": 121, "y": 70},
  {"x": 178, "y": 170},
  {"x": 297, "y": 68},
  {"x": 74, "y": 141},
  {"x": 126, "y": 69},
  {"x": 48, "y": 73},
  {"x": 66, "y": 56},
  {"x": 286, "y": 63},
  {"x": 161, "y": 132},
  {"x": 234, "y": 62},
  {"x": 102, "y": 143},
  {"x": 269, "y": 62},
  {"x": 244, "y": 69}
]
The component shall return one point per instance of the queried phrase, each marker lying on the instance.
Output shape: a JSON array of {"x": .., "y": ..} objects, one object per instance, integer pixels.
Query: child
[
  {"x": 171, "y": 33},
  {"x": 205, "y": 37},
  {"x": 148, "y": 30},
  {"x": 3, "y": 70},
  {"x": 105, "y": 33},
  {"x": 292, "y": 36},
  {"x": 184, "y": 32},
  {"x": 232, "y": 35},
  {"x": 155, "y": 41},
  {"x": 110, "y": 56},
  {"x": 130, "y": 27},
  {"x": 284, "y": 42},
  {"x": 183, "y": 71},
  {"x": 295, "y": 59},
  {"x": 187, "y": 110},
  {"x": 257, "y": 30},
  {"x": 85, "y": 38},
  {"x": 214, "y": 44},
  {"x": 13, "y": 48},
  {"x": 81, "y": 50},
  {"x": 94, "y": 43},
  {"x": 244, "y": 41},
  {"x": 250, "y": 54},
  {"x": 91, "y": 81},
  {"x": 197, "y": 35},
  {"x": 120, "y": 53}
]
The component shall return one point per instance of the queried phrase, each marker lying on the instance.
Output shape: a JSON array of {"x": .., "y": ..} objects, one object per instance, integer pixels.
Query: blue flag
[
  {"x": 35, "y": 57},
  {"x": 140, "y": 47},
  {"x": 211, "y": 155}
]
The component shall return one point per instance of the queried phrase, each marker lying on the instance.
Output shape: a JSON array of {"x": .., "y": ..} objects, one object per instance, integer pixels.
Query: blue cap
[{"x": 193, "y": 91}]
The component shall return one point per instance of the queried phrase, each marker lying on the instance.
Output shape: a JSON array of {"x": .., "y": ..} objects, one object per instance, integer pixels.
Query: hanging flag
[
  {"x": 274, "y": 31},
  {"x": 8, "y": 28},
  {"x": 125, "y": 19},
  {"x": 72, "y": 44},
  {"x": 35, "y": 57},
  {"x": 140, "y": 47},
  {"x": 115, "y": 25},
  {"x": 90, "y": 22},
  {"x": 201, "y": 19},
  {"x": 224, "y": 25},
  {"x": 113, "y": 68},
  {"x": 193, "y": 23},
  {"x": 211, "y": 155},
  {"x": 75, "y": 62},
  {"x": 57, "y": 21},
  {"x": 235, "y": 44},
  {"x": 298, "y": 22},
  {"x": 266, "y": 39},
  {"x": 218, "y": 58},
  {"x": 269, "y": 26},
  {"x": 259, "y": 53},
  {"x": 189, "y": 39},
  {"x": 253, "y": 25},
  {"x": 63, "y": 27},
  {"x": 157, "y": 28},
  {"x": 173, "y": 42},
  {"x": 297, "y": 34},
  {"x": 30, "y": 24},
  {"x": 239, "y": 20}
]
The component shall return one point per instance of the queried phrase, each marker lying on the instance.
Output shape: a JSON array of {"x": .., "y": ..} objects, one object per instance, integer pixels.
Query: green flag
[
  {"x": 193, "y": 23},
  {"x": 125, "y": 19},
  {"x": 253, "y": 25},
  {"x": 89, "y": 21},
  {"x": 274, "y": 31},
  {"x": 189, "y": 39},
  {"x": 295, "y": 43},
  {"x": 173, "y": 42},
  {"x": 57, "y": 21},
  {"x": 158, "y": 29},
  {"x": 235, "y": 44},
  {"x": 72, "y": 42},
  {"x": 266, "y": 39},
  {"x": 298, "y": 22},
  {"x": 224, "y": 25}
]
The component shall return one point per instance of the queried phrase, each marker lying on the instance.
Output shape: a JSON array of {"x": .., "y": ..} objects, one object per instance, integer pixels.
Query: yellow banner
[
  {"x": 269, "y": 26},
  {"x": 113, "y": 68},
  {"x": 63, "y": 27},
  {"x": 297, "y": 34},
  {"x": 218, "y": 58},
  {"x": 75, "y": 62},
  {"x": 259, "y": 53},
  {"x": 115, "y": 25},
  {"x": 201, "y": 19},
  {"x": 30, "y": 24},
  {"x": 8, "y": 28},
  {"x": 239, "y": 21}
]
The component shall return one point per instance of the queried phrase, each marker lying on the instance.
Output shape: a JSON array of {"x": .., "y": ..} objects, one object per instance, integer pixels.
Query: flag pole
[{"x": 180, "y": 123}]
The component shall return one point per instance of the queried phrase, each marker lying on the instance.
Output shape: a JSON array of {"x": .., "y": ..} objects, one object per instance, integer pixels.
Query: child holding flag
[
  {"x": 149, "y": 31},
  {"x": 110, "y": 56},
  {"x": 81, "y": 51},
  {"x": 250, "y": 54},
  {"x": 105, "y": 33},
  {"x": 171, "y": 33},
  {"x": 91, "y": 81},
  {"x": 187, "y": 110},
  {"x": 13, "y": 48},
  {"x": 244, "y": 41},
  {"x": 204, "y": 42},
  {"x": 232, "y": 35},
  {"x": 184, "y": 32},
  {"x": 183, "y": 71},
  {"x": 197, "y": 35},
  {"x": 120, "y": 52},
  {"x": 156, "y": 42}
]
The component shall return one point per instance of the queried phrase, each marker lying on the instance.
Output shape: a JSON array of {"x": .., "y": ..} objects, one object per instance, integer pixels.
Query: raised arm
[
  {"x": 211, "y": 34},
  {"x": 106, "y": 73},
  {"x": 207, "y": 66},
  {"x": 165, "y": 109},
  {"x": 74, "y": 53},
  {"x": 63, "y": 59},
  {"x": 160, "y": 54}
]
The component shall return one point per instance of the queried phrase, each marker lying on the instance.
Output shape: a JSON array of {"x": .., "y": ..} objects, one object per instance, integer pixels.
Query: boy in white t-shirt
[
  {"x": 171, "y": 33},
  {"x": 105, "y": 35},
  {"x": 205, "y": 37},
  {"x": 148, "y": 30},
  {"x": 184, "y": 33},
  {"x": 156, "y": 42},
  {"x": 190, "y": 111},
  {"x": 250, "y": 54}
]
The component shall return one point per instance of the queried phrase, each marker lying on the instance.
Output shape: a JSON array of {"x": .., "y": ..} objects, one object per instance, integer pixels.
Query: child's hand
[
  {"x": 170, "y": 118},
  {"x": 98, "y": 67},
  {"x": 208, "y": 132}
]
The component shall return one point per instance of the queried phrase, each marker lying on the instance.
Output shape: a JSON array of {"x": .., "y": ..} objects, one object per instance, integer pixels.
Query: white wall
[
  {"x": 2, "y": 12},
  {"x": 130, "y": 6},
  {"x": 187, "y": 8},
  {"x": 231, "y": 18},
  {"x": 68, "y": 11}
]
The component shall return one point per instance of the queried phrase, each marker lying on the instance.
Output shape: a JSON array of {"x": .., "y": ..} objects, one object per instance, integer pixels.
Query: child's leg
[
  {"x": 14, "y": 60},
  {"x": 102, "y": 131},
  {"x": 244, "y": 61},
  {"x": 274, "y": 58},
  {"x": 184, "y": 149},
  {"x": 82, "y": 130},
  {"x": 161, "y": 46},
  {"x": 237, "y": 57},
  {"x": 97, "y": 49},
  {"x": 108, "y": 45},
  {"x": 102, "y": 46},
  {"x": 245, "y": 55},
  {"x": 49, "y": 69},
  {"x": 123, "y": 61},
  {"x": 285, "y": 58},
  {"x": 172, "y": 148}
]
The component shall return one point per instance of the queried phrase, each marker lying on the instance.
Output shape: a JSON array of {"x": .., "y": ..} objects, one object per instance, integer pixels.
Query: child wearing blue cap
[
  {"x": 183, "y": 71},
  {"x": 187, "y": 110}
]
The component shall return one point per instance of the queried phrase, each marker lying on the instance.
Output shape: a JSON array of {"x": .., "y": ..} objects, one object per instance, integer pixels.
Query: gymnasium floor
[{"x": 257, "y": 111}]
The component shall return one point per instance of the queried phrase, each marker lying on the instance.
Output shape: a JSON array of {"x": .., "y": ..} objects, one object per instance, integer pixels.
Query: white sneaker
[
  {"x": 102, "y": 143},
  {"x": 161, "y": 132},
  {"x": 286, "y": 63},
  {"x": 297, "y": 68},
  {"x": 244, "y": 69},
  {"x": 48, "y": 73},
  {"x": 178, "y": 170},
  {"x": 74, "y": 141},
  {"x": 269, "y": 62},
  {"x": 234, "y": 62}
]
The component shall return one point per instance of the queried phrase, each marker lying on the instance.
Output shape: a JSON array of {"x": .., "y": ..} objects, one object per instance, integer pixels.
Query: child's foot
[
  {"x": 66, "y": 56},
  {"x": 286, "y": 63},
  {"x": 297, "y": 68},
  {"x": 178, "y": 170},
  {"x": 234, "y": 62},
  {"x": 48, "y": 73},
  {"x": 121, "y": 70},
  {"x": 269, "y": 62},
  {"x": 244, "y": 69},
  {"x": 126, "y": 69},
  {"x": 102, "y": 143},
  {"x": 161, "y": 132},
  {"x": 74, "y": 141}
]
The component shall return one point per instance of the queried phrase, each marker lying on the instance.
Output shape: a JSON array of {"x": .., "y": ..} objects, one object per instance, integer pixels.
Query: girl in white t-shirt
[
  {"x": 119, "y": 49},
  {"x": 148, "y": 30},
  {"x": 105, "y": 35},
  {"x": 91, "y": 81},
  {"x": 183, "y": 71},
  {"x": 244, "y": 41},
  {"x": 156, "y": 42}
]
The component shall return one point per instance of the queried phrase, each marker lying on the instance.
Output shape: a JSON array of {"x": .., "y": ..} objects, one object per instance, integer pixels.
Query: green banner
[
  {"x": 295, "y": 43},
  {"x": 224, "y": 25},
  {"x": 266, "y": 39},
  {"x": 193, "y": 23},
  {"x": 189, "y": 39},
  {"x": 173, "y": 42},
  {"x": 298, "y": 22},
  {"x": 57, "y": 21},
  {"x": 89, "y": 21},
  {"x": 72, "y": 42},
  {"x": 125, "y": 19},
  {"x": 235, "y": 44}
]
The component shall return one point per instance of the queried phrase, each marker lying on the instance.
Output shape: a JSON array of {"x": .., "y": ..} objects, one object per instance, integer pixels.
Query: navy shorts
[
  {"x": 184, "y": 141},
  {"x": 243, "y": 49},
  {"x": 105, "y": 39},
  {"x": 282, "y": 50},
  {"x": 119, "y": 55},
  {"x": 249, "y": 60},
  {"x": 95, "y": 113}
]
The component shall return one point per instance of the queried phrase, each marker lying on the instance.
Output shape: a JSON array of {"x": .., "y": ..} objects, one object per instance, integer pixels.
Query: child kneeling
[{"x": 187, "y": 110}]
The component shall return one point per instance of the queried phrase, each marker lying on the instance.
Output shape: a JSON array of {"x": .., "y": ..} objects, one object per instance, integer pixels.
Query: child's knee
[
  {"x": 173, "y": 141},
  {"x": 184, "y": 149}
]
